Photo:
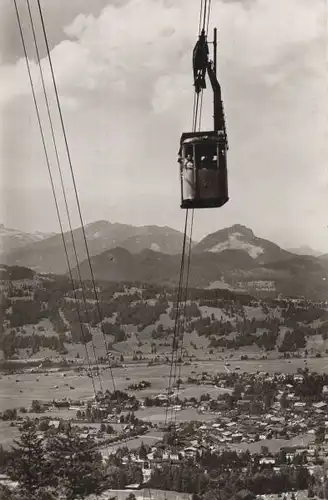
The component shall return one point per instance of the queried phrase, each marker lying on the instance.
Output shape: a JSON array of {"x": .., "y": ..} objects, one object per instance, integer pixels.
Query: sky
[{"x": 124, "y": 76}]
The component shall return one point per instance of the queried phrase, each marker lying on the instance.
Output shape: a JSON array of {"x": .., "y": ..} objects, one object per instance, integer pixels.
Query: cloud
[
  {"x": 125, "y": 80},
  {"x": 59, "y": 14}
]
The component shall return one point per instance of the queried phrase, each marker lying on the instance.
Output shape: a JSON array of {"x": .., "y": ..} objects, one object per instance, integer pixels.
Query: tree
[
  {"x": 29, "y": 465},
  {"x": 320, "y": 434},
  {"x": 4, "y": 457},
  {"x": 283, "y": 401},
  {"x": 131, "y": 496},
  {"x": 44, "y": 425},
  {"x": 77, "y": 463},
  {"x": 325, "y": 487},
  {"x": 36, "y": 406},
  {"x": 43, "y": 494},
  {"x": 268, "y": 399},
  {"x": 9, "y": 414},
  {"x": 264, "y": 451},
  {"x": 143, "y": 452},
  {"x": 310, "y": 492}
]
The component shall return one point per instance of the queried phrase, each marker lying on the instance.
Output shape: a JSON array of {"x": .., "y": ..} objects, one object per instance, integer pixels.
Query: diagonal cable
[
  {"x": 63, "y": 189},
  {"x": 53, "y": 186}
]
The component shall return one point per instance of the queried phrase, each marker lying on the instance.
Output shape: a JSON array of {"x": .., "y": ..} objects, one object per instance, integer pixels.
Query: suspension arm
[{"x": 219, "y": 117}]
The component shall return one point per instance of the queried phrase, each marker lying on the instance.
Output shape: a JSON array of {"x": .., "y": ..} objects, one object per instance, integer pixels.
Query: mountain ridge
[
  {"x": 48, "y": 255},
  {"x": 38, "y": 326},
  {"x": 233, "y": 257},
  {"x": 305, "y": 250},
  {"x": 238, "y": 266},
  {"x": 12, "y": 239}
]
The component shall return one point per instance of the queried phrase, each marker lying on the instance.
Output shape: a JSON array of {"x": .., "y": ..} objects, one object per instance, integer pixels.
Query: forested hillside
[{"x": 42, "y": 316}]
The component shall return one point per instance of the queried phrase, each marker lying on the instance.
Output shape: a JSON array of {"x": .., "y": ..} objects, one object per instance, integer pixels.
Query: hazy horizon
[
  {"x": 124, "y": 77},
  {"x": 194, "y": 239}
]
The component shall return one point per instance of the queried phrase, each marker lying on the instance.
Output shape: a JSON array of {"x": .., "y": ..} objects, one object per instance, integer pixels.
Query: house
[
  {"x": 54, "y": 424},
  {"x": 267, "y": 461},
  {"x": 237, "y": 437},
  {"x": 133, "y": 487},
  {"x": 299, "y": 407},
  {"x": 190, "y": 452},
  {"x": 146, "y": 474},
  {"x": 320, "y": 405},
  {"x": 325, "y": 392},
  {"x": 6, "y": 481}
]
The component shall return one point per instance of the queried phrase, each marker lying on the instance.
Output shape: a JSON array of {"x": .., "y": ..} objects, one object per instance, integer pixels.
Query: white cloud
[{"x": 125, "y": 80}]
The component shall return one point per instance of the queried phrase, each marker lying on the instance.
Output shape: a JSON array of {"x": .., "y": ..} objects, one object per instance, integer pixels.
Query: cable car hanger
[{"x": 203, "y": 155}]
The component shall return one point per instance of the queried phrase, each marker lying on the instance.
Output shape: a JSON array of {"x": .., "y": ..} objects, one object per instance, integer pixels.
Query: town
[
  {"x": 272, "y": 424},
  {"x": 245, "y": 415}
]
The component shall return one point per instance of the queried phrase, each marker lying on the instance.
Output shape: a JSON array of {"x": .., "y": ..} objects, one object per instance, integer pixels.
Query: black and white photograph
[{"x": 163, "y": 249}]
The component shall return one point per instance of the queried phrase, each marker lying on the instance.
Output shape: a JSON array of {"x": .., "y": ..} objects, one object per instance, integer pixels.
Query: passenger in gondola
[
  {"x": 188, "y": 178},
  {"x": 200, "y": 62},
  {"x": 189, "y": 162},
  {"x": 203, "y": 162}
]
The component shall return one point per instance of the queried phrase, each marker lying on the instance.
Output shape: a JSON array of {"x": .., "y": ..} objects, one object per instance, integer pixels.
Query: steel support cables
[
  {"x": 68, "y": 153},
  {"x": 196, "y": 124},
  {"x": 52, "y": 186},
  {"x": 59, "y": 167},
  {"x": 75, "y": 190}
]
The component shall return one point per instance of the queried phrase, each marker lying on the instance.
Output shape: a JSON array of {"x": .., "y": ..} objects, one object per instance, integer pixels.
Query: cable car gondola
[{"x": 203, "y": 155}]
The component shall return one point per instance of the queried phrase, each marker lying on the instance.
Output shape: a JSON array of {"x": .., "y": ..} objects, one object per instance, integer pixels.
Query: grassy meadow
[{"x": 19, "y": 390}]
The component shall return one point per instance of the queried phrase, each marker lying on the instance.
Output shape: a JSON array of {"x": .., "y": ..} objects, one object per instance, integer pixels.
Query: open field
[
  {"x": 142, "y": 495},
  {"x": 7, "y": 434},
  {"x": 274, "y": 445},
  {"x": 299, "y": 495},
  {"x": 132, "y": 444},
  {"x": 156, "y": 415},
  {"x": 21, "y": 389}
]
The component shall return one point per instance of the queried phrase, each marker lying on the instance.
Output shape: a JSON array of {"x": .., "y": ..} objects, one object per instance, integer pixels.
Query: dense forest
[{"x": 39, "y": 311}]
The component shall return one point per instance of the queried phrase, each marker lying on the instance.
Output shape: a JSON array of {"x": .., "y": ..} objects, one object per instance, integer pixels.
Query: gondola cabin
[{"x": 203, "y": 169}]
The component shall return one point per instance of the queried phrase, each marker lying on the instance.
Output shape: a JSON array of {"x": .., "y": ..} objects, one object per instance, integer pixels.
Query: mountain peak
[
  {"x": 239, "y": 237},
  {"x": 242, "y": 230}
]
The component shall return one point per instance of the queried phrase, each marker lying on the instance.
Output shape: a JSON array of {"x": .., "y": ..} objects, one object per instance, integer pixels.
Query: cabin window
[
  {"x": 206, "y": 156},
  {"x": 188, "y": 150}
]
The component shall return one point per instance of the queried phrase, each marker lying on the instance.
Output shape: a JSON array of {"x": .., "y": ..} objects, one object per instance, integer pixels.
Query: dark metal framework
[{"x": 206, "y": 184}]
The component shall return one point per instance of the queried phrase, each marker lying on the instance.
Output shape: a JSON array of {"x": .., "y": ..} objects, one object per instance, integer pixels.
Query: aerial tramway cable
[
  {"x": 182, "y": 291},
  {"x": 75, "y": 191},
  {"x": 53, "y": 188},
  {"x": 63, "y": 188},
  {"x": 176, "y": 330},
  {"x": 101, "y": 321},
  {"x": 82, "y": 225},
  {"x": 53, "y": 185}
]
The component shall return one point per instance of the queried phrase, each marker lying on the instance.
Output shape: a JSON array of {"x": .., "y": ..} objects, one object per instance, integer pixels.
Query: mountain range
[
  {"x": 305, "y": 250},
  {"x": 48, "y": 255},
  {"x": 232, "y": 257},
  {"x": 13, "y": 239}
]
